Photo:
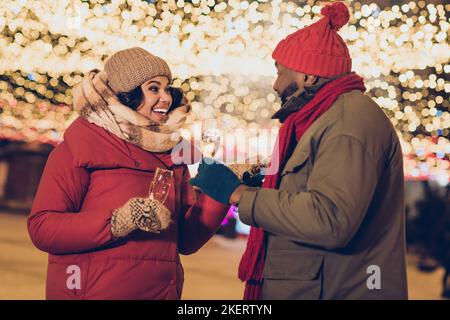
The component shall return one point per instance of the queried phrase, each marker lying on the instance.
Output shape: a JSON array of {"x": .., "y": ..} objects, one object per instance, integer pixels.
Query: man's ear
[{"x": 310, "y": 79}]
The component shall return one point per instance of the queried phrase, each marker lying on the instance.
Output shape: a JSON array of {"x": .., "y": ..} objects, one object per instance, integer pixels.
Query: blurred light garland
[{"x": 221, "y": 53}]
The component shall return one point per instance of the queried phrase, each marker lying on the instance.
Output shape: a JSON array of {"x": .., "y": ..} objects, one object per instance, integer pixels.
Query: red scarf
[{"x": 252, "y": 262}]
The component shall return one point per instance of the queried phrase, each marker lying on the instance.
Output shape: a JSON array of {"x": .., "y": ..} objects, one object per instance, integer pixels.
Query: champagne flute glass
[
  {"x": 210, "y": 137},
  {"x": 160, "y": 186}
]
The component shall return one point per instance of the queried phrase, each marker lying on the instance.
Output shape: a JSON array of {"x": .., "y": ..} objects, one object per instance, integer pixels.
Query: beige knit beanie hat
[{"x": 129, "y": 68}]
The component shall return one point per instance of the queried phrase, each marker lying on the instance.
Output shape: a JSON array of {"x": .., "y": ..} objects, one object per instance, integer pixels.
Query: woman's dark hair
[{"x": 133, "y": 99}]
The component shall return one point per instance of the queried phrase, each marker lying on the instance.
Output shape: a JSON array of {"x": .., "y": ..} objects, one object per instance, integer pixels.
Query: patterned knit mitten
[{"x": 140, "y": 213}]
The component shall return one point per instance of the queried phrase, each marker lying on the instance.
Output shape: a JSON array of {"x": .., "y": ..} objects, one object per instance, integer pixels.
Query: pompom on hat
[{"x": 318, "y": 49}]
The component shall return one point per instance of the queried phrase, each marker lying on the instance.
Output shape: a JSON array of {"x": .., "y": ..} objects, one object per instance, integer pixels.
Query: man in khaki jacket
[{"x": 331, "y": 221}]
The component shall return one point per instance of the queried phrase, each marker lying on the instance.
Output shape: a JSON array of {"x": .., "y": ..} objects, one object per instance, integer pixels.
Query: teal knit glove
[{"x": 216, "y": 180}]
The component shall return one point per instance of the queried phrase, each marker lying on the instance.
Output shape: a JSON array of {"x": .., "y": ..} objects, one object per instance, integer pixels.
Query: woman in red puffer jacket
[{"x": 105, "y": 237}]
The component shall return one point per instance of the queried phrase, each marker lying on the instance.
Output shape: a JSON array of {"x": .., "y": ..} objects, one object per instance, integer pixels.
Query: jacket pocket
[
  {"x": 295, "y": 173},
  {"x": 292, "y": 275},
  {"x": 296, "y": 162}
]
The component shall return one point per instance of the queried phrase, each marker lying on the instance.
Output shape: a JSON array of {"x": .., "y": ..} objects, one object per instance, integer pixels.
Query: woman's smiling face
[{"x": 156, "y": 99}]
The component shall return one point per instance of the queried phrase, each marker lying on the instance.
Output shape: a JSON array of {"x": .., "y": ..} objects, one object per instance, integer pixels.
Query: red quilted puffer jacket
[{"x": 86, "y": 178}]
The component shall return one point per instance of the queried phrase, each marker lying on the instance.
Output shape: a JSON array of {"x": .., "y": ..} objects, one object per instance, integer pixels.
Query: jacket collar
[{"x": 93, "y": 147}]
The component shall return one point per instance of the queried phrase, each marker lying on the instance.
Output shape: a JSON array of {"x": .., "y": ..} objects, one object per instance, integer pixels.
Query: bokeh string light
[{"x": 220, "y": 52}]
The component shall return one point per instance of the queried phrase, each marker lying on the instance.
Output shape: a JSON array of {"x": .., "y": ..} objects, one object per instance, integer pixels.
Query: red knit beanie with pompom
[{"x": 318, "y": 49}]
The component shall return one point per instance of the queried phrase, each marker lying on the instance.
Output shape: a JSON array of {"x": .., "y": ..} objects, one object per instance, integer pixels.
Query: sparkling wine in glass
[
  {"x": 160, "y": 186},
  {"x": 210, "y": 137}
]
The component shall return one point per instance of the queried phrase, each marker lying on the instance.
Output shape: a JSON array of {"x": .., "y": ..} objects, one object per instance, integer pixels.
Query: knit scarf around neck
[
  {"x": 252, "y": 262},
  {"x": 95, "y": 101}
]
